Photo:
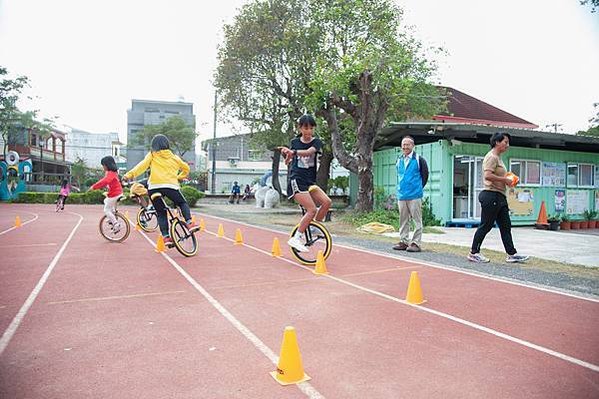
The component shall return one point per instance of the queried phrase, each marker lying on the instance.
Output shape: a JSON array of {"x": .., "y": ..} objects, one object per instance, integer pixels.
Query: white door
[{"x": 476, "y": 187}]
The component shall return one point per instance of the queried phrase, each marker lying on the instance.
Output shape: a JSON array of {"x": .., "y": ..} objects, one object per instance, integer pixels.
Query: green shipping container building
[{"x": 560, "y": 170}]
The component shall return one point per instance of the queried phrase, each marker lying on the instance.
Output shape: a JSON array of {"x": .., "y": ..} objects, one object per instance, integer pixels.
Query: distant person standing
[
  {"x": 493, "y": 202},
  {"x": 412, "y": 176},
  {"x": 235, "y": 193}
]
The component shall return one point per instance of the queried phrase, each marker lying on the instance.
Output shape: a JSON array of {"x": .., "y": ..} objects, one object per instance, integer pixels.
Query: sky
[{"x": 537, "y": 59}]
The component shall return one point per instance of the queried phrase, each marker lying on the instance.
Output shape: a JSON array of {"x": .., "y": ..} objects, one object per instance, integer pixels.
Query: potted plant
[
  {"x": 575, "y": 224},
  {"x": 565, "y": 224},
  {"x": 591, "y": 216},
  {"x": 553, "y": 221},
  {"x": 586, "y": 216}
]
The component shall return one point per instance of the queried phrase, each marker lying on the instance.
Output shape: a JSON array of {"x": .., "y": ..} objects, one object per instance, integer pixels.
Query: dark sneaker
[
  {"x": 516, "y": 258},
  {"x": 413, "y": 248},
  {"x": 402, "y": 246},
  {"x": 168, "y": 242},
  {"x": 478, "y": 258}
]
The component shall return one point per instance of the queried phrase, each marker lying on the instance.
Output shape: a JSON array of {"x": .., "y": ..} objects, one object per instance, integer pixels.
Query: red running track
[{"x": 122, "y": 321}]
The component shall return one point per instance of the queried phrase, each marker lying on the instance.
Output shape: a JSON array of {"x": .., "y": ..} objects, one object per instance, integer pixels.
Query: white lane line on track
[
  {"x": 504, "y": 280},
  {"x": 22, "y": 224},
  {"x": 476, "y": 326},
  {"x": 16, "y": 321},
  {"x": 110, "y": 298},
  {"x": 305, "y": 387},
  {"x": 49, "y": 244}
]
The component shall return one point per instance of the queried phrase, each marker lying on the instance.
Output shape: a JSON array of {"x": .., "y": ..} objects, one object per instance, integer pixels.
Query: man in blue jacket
[{"x": 412, "y": 175}]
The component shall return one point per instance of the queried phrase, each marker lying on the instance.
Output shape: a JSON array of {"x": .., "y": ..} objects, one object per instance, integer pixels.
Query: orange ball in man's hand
[{"x": 515, "y": 179}]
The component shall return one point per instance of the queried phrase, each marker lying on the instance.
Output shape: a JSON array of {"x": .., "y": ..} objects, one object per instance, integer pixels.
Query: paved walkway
[
  {"x": 575, "y": 246},
  {"x": 580, "y": 247}
]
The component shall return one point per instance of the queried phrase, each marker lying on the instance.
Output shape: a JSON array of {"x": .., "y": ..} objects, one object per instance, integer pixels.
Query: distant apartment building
[
  {"x": 149, "y": 112},
  {"x": 92, "y": 147}
]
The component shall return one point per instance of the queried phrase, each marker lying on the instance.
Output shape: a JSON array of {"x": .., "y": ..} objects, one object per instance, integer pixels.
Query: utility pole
[
  {"x": 555, "y": 126},
  {"x": 213, "y": 148}
]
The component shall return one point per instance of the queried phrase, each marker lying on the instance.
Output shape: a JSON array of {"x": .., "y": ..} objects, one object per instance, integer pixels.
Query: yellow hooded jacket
[{"x": 166, "y": 169}]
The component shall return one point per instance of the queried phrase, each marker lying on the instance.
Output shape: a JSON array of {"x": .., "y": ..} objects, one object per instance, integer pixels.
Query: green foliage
[
  {"x": 553, "y": 218},
  {"x": 191, "y": 195},
  {"x": 593, "y": 129},
  {"x": 91, "y": 197},
  {"x": 594, "y": 4},
  {"x": 565, "y": 217},
  {"x": 341, "y": 182},
  {"x": 428, "y": 216},
  {"x": 181, "y": 136},
  {"x": 589, "y": 215},
  {"x": 78, "y": 171}
]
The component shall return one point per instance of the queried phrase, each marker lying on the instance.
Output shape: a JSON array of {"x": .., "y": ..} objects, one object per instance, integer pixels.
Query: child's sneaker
[
  {"x": 515, "y": 258},
  {"x": 478, "y": 258},
  {"x": 193, "y": 226},
  {"x": 297, "y": 244},
  {"x": 168, "y": 241},
  {"x": 116, "y": 227}
]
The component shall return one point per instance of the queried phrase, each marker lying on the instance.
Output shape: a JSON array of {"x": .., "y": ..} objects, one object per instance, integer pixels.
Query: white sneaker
[
  {"x": 516, "y": 258},
  {"x": 297, "y": 244},
  {"x": 478, "y": 258}
]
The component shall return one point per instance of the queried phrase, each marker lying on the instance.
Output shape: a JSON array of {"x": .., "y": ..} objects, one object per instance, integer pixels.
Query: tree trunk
[
  {"x": 324, "y": 170},
  {"x": 276, "y": 159}
]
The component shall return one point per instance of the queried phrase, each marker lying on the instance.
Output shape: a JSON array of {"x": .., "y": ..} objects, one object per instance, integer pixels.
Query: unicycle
[
  {"x": 115, "y": 232},
  {"x": 147, "y": 219},
  {"x": 316, "y": 238},
  {"x": 60, "y": 204}
]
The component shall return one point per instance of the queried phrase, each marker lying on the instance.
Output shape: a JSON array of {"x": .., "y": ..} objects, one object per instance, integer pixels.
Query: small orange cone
[
  {"x": 160, "y": 244},
  {"x": 542, "y": 219},
  {"x": 290, "y": 369},
  {"x": 17, "y": 221},
  {"x": 238, "y": 237},
  {"x": 221, "y": 230},
  {"x": 414, "y": 295},
  {"x": 137, "y": 227},
  {"x": 193, "y": 218},
  {"x": 276, "y": 248},
  {"x": 321, "y": 267},
  {"x": 202, "y": 225}
]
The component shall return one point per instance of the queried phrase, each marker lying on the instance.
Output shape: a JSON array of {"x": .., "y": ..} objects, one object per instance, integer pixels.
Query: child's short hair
[
  {"x": 306, "y": 120},
  {"x": 160, "y": 142},
  {"x": 109, "y": 162},
  {"x": 64, "y": 183}
]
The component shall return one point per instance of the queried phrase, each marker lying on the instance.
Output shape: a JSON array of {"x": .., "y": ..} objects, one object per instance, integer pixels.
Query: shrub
[{"x": 191, "y": 195}]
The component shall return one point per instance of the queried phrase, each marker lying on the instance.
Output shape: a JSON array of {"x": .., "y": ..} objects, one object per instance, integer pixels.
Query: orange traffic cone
[
  {"x": 276, "y": 248},
  {"x": 17, "y": 221},
  {"x": 221, "y": 230},
  {"x": 542, "y": 219},
  {"x": 137, "y": 227},
  {"x": 414, "y": 295},
  {"x": 160, "y": 244},
  {"x": 321, "y": 267},
  {"x": 238, "y": 237},
  {"x": 290, "y": 369},
  {"x": 193, "y": 219},
  {"x": 202, "y": 225}
]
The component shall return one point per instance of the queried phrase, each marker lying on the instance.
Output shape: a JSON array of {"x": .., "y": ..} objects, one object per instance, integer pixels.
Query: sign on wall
[
  {"x": 560, "y": 200},
  {"x": 577, "y": 200},
  {"x": 554, "y": 174},
  {"x": 520, "y": 201}
]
